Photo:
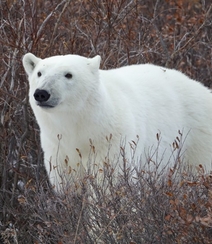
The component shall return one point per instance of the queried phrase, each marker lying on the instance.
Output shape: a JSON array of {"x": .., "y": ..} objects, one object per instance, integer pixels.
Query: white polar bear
[{"x": 75, "y": 102}]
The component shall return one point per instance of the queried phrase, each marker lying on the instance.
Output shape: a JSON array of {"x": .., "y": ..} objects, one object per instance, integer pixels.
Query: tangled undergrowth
[{"x": 153, "y": 209}]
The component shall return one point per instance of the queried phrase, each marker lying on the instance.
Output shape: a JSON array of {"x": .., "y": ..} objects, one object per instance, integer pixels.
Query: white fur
[{"x": 143, "y": 100}]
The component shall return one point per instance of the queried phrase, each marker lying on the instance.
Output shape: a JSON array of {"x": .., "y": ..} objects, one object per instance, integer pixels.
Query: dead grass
[{"x": 176, "y": 34}]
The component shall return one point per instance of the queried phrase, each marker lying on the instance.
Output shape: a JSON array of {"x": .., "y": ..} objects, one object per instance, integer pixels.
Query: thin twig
[
  {"x": 191, "y": 39},
  {"x": 79, "y": 219}
]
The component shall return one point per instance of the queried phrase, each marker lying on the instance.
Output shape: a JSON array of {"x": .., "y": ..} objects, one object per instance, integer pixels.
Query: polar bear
[{"x": 148, "y": 110}]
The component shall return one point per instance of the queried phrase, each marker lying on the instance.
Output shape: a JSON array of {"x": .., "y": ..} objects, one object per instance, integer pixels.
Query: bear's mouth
[{"x": 45, "y": 105}]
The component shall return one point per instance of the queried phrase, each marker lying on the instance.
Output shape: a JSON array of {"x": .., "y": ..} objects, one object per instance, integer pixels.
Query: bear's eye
[
  {"x": 39, "y": 74},
  {"x": 68, "y": 75}
]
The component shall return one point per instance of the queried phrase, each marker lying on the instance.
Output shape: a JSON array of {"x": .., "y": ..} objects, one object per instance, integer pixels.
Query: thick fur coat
[{"x": 150, "y": 111}]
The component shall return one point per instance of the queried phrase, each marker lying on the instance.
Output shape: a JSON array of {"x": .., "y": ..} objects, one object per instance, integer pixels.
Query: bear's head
[{"x": 67, "y": 80}]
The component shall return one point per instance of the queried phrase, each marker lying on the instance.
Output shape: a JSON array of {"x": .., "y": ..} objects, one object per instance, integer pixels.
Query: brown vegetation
[{"x": 175, "y": 34}]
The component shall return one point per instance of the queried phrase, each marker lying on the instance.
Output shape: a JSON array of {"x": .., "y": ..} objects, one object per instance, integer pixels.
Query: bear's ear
[
  {"x": 94, "y": 63},
  {"x": 29, "y": 62}
]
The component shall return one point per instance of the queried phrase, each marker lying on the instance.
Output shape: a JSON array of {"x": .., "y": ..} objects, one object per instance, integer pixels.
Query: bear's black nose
[{"x": 41, "y": 95}]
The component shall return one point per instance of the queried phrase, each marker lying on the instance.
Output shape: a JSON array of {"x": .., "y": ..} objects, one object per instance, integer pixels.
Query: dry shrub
[{"x": 176, "y": 34}]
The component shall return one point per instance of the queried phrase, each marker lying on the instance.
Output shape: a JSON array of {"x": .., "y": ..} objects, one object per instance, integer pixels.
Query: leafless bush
[{"x": 175, "y": 34}]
